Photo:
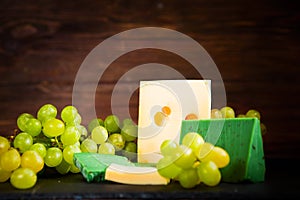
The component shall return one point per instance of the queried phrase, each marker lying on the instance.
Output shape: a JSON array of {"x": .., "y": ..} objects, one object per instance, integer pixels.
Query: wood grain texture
[{"x": 255, "y": 45}]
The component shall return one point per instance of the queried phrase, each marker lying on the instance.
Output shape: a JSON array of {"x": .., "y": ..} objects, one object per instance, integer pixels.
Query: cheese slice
[
  {"x": 163, "y": 104},
  {"x": 134, "y": 175}
]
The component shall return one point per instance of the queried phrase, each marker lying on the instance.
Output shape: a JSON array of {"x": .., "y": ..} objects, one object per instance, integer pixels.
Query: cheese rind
[{"x": 134, "y": 175}]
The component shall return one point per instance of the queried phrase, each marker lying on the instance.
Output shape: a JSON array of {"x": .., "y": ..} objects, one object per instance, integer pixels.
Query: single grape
[
  {"x": 193, "y": 140},
  {"x": 69, "y": 151},
  {"x": 263, "y": 128},
  {"x": 94, "y": 123},
  {"x": 130, "y": 150},
  {"x": 63, "y": 167},
  {"x": 117, "y": 140},
  {"x": 4, "y": 144},
  {"x": 227, "y": 112},
  {"x": 76, "y": 121},
  {"x": 204, "y": 150},
  {"x": 219, "y": 156},
  {"x": 128, "y": 121},
  {"x": 22, "y": 120},
  {"x": 53, "y": 127},
  {"x": 188, "y": 178},
  {"x": 185, "y": 157},
  {"x": 253, "y": 113},
  {"x": 23, "y": 178},
  {"x": 68, "y": 114},
  {"x": 129, "y": 132},
  {"x": 241, "y": 116},
  {"x": 167, "y": 168},
  {"x": 99, "y": 134},
  {"x": 111, "y": 123},
  {"x": 216, "y": 114},
  {"x": 88, "y": 145},
  {"x": 10, "y": 160},
  {"x": 106, "y": 148},
  {"x": 32, "y": 159},
  {"x": 46, "y": 112},
  {"x": 70, "y": 136},
  {"x": 40, "y": 148},
  {"x": 74, "y": 169},
  {"x": 168, "y": 147},
  {"x": 53, "y": 157},
  {"x": 209, "y": 173},
  {"x": 33, "y": 127},
  {"x": 83, "y": 132},
  {"x": 4, "y": 175},
  {"x": 23, "y": 141}
]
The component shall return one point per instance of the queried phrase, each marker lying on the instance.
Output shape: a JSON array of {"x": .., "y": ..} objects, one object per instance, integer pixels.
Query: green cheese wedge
[
  {"x": 241, "y": 138},
  {"x": 93, "y": 165}
]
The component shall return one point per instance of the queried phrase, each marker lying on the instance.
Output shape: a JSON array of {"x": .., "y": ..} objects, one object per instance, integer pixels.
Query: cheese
[
  {"x": 241, "y": 138},
  {"x": 93, "y": 165},
  {"x": 163, "y": 105},
  {"x": 134, "y": 175}
]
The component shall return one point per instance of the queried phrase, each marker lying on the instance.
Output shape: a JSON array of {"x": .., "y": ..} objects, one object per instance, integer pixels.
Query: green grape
[
  {"x": 128, "y": 121},
  {"x": 216, "y": 114},
  {"x": 117, "y": 140},
  {"x": 227, "y": 112},
  {"x": 68, "y": 114},
  {"x": 88, "y": 145},
  {"x": 193, "y": 140},
  {"x": 53, "y": 157},
  {"x": 74, "y": 169},
  {"x": 4, "y": 145},
  {"x": 22, "y": 120},
  {"x": 63, "y": 167},
  {"x": 167, "y": 168},
  {"x": 47, "y": 111},
  {"x": 106, "y": 148},
  {"x": 204, "y": 150},
  {"x": 33, "y": 127},
  {"x": 40, "y": 148},
  {"x": 99, "y": 134},
  {"x": 253, "y": 113},
  {"x": 241, "y": 116},
  {"x": 263, "y": 128},
  {"x": 69, "y": 151},
  {"x": 4, "y": 175},
  {"x": 209, "y": 173},
  {"x": 111, "y": 123},
  {"x": 32, "y": 160},
  {"x": 188, "y": 178},
  {"x": 23, "y": 178},
  {"x": 76, "y": 121},
  {"x": 168, "y": 147},
  {"x": 23, "y": 142},
  {"x": 185, "y": 157},
  {"x": 94, "y": 123},
  {"x": 70, "y": 136},
  {"x": 130, "y": 150},
  {"x": 83, "y": 132},
  {"x": 129, "y": 132},
  {"x": 10, "y": 160},
  {"x": 219, "y": 156},
  {"x": 53, "y": 127}
]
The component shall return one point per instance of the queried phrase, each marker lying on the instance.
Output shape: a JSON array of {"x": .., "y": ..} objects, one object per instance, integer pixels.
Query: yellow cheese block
[
  {"x": 163, "y": 104},
  {"x": 134, "y": 175}
]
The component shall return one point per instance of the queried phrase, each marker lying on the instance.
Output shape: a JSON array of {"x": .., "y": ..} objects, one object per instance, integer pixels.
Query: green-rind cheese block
[
  {"x": 241, "y": 138},
  {"x": 94, "y": 165}
]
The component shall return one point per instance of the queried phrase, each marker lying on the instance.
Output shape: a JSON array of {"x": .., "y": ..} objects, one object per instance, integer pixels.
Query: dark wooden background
[{"x": 255, "y": 45}]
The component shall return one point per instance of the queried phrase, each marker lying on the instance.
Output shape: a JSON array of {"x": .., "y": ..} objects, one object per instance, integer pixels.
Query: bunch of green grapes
[
  {"x": 111, "y": 137},
  {"x": 228, "y": 112},
  {"x": 192, "y": 162},
  {"x": 44, "y": 140}
]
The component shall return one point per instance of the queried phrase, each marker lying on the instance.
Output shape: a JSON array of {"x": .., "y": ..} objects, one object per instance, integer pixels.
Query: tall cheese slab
[
  {"x": 163, "y": 104},
  {"x": 241, "y": 138}
]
